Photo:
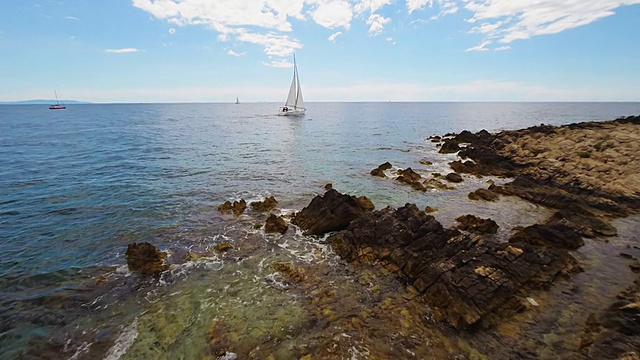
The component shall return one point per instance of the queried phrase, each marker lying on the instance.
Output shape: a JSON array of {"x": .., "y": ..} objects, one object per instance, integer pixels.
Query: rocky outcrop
[
  {"x": 551, "y": 235},
  {"x": 477, "y": 225},
  {"x": 236, "y": 208},
  {"x": 275, "y": 224},
  {"x": 453, "y": 177},
  {"x": 268, "y": 204},
  {"x": 464, "y": 278},
  {"x": 145, "y": 259},
  {"x": 331, "y": 212}
]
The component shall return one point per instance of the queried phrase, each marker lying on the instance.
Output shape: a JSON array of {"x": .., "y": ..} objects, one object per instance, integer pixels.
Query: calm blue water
[{"x": 77, "y": 186}]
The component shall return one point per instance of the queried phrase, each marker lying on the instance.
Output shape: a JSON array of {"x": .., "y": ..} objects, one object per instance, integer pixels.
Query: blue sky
[{"x": 347, "y": 50}]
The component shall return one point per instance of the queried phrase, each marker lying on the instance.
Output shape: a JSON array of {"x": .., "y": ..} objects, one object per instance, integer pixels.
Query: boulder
[
  {"x": 145, "y": 259},
  {"x": 379, "y": 171},
  {"x": 454, "y": 177},
  {"x": 483, "y": 194},
  {"x": 409, "y": 175},
  {"x": 275, "y": 224},
  {"x": 332, "y": 211},
  {"x": 477, "y": 225}
]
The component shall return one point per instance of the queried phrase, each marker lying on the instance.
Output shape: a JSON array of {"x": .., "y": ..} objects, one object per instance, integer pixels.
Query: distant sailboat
[
  {"x": 57, "y": 106},
  {"x": 294, "y": 106},
  {"x": 237, "y": 101}
]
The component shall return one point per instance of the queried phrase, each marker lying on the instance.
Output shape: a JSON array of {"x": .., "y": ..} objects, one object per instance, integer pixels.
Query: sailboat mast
[
  {"x": 295, "y": 76},
  {"x": 56, "y": 94}
]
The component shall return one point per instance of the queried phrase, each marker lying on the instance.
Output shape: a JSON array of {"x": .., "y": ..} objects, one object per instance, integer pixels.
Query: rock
[
  {"x": 430, "y": 210},
  {"x": 275, "y": 224},
  {"x": 550, "y": 235},
  {"x": 462, "y": 278},
  {"x": 267, "y": 205},
  {"x": 379, "y": 171},
  {"x": 409, "y": 175},
  {"x": 454, "y": 177},
  {"x": 328, "y": 186},
  {"x": 426, "y": 162},
  {"x": 483, "y": 194},
  {"x": 223, "y": 247},
  {"x": 365, "y": 203},
  {"x": 477, "y": 225},
  {"x": 449, "y": 147},
  {"x": 237, "y": 207},
  {"x": 290, "y": 271},
  {"x": 585, "y": 223},
  {"x": 332, "y": 211},
  {"x": 145, "y": 258}
]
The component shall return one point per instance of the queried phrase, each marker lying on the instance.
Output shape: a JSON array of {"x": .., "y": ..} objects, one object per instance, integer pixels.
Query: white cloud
[
  {"x": 122, "y": 51},
  {"x": 413, "y": 5},
  {"x": 508, "y": 20},
  {"x": 377, "y": 23},
  {"x": 172, "y": 31},
  {"x": 71, "y": 18},
  {"x": 481, "y": 47},
  {"x": 371, "y": 5},
  {"x": 332, "y": 13},
  {"x": 274, "y": 44},
  {"x": 233, "y": 53},
  {"x": 333, "y": 36},
  {"x": 503, "y": 48},
  {"x": 390, "y": 39}
]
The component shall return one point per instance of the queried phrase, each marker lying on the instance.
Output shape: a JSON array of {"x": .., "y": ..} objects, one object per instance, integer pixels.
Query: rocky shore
[
  {"x": 467, "y": 292},
  {"x": 589, "y": 173}
]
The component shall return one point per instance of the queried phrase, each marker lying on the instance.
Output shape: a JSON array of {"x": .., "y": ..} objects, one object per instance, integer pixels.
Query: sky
[{"x": 346, "y": 50}]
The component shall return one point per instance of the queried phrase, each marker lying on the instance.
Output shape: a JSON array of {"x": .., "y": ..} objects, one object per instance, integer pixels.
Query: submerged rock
[
  {"x": 145, "y": 258},
  {"x": 332, "y": 211},
  {"x": 237, "y": 207},
  {"x": 551, "y": 235},
  {"x": 483, "y": 194},
  {"x": 462, "y": 277}
]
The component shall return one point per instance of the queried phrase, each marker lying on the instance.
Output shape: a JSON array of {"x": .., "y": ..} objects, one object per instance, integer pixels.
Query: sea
[{"x": 78, "y": 185}]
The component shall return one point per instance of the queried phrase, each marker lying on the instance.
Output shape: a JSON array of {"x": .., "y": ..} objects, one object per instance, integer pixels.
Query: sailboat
[
  {"x": 294, "y": 106},
  {"x": 237, "y": 101},
  {"x": 57, "y": 106}
]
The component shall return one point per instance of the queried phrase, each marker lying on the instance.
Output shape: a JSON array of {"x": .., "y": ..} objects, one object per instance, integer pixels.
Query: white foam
[{"x": 123, "y": 342}]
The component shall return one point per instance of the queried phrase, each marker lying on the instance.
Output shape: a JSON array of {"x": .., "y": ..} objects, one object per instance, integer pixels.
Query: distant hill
[{"x": 42, "y": 102}]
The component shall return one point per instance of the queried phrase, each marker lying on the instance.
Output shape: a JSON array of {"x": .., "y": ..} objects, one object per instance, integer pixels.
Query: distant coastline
[{"x": 42, "y": 102}]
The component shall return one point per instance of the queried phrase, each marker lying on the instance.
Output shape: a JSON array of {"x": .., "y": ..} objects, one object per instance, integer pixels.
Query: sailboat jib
[{"x": 295, "y": 103}]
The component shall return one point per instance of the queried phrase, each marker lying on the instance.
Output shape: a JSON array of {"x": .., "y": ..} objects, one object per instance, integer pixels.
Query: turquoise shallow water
[{"x": 77, "y": 186}]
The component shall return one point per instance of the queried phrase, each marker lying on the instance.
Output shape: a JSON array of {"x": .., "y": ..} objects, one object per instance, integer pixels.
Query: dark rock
[
  {"x": 328, "y": 186},
  {"x": 430, "y": 210},
  {"x": 379, "y": 171},
  {"x": 449, "y": 147},
  {"x": 477, "y": 225},
  {"x": 275, "y": 224},
  {"x": 267, "y": 205},
  {"x": 463, "y": 278},
  {"x": 483, "y": 194},
  {"x": 585, "y": 223},
  {"x": 332, "y": 211},
  {"x": 426, "y": 162},
  {"x": 237, "y": 207},
  {"x": 409, "y": 175},
  {"x": 550, "y": 235},
  {"x": 454, "y": 177},
  {"x": 145, "y": 258}
]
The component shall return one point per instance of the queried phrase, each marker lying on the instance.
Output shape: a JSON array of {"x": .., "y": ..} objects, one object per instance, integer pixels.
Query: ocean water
[{"x": 76, "y": 186}]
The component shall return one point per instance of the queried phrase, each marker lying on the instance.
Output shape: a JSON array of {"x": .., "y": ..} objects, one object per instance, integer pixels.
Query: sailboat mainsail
[{"x": 295, "y": 103}]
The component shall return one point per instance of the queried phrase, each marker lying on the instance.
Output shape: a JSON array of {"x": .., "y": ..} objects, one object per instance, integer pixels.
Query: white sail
[
  {"x": 294, "y": 104},
  {"x": 291, "y": 98}
]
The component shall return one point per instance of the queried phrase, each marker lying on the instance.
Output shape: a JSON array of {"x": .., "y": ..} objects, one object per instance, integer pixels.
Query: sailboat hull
[
  {"x": 291, "y": 112},
  {"x": 57, "y": 107}
]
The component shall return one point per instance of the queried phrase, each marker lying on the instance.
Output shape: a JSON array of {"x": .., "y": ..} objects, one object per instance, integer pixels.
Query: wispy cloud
[
  {"x": 503, "y": 48},
  {"x": 122, "y": 51},
  {"x": 172, "y": 31},
  {"x": 333, "y": 36},
  {"x": 274, "y": 44},
  {"x": 481, "y": 47},
  {"x": 233, "y": 53},
  {"x": 71, "y": 18}
]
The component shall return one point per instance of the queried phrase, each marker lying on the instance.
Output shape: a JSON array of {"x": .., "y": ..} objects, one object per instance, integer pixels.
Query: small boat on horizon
[
  {"x": 57, "y": 106},
  {"x": 237, "y": 101},
  {"x": 294, "y": 106}
]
